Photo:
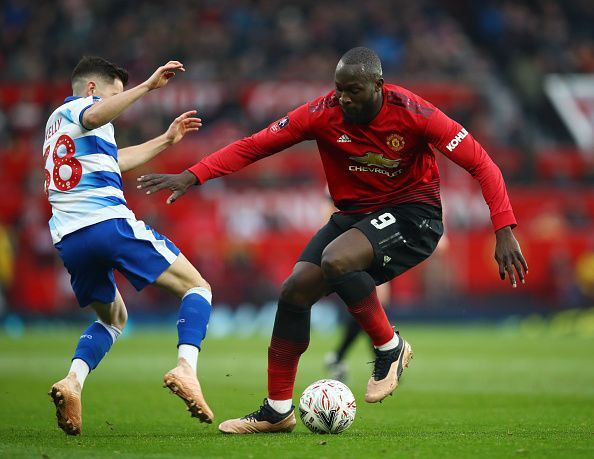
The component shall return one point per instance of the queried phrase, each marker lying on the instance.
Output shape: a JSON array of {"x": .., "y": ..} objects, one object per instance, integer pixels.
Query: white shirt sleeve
[{"x": 77, "y": 108}]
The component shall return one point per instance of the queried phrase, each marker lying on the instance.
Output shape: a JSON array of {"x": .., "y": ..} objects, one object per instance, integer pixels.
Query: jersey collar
[{"x": 71, "y": 98}]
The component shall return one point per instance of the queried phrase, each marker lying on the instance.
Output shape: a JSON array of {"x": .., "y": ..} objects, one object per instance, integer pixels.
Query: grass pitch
[{"x": 487, "y": 392}]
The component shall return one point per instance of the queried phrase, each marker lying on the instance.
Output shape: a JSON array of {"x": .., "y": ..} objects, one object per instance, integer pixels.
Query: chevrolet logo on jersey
[
  {"x": 376, "y": 159},
  {"x": 376, "y": 163}
]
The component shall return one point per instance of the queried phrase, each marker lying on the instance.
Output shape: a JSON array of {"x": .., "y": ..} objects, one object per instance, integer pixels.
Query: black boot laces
[
  {"x": 257, "y": 415},
  {"x": 384, "y": 359},
  {"x": 382, "y": 363}
]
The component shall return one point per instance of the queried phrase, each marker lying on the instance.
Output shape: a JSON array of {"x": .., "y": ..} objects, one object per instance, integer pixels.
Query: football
[{"x": 327, "y": 406}]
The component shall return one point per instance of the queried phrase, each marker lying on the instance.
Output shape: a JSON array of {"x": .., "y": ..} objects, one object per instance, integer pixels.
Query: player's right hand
[
  {"x": 178, "y": 183},
  {"x": 162, "y": 75}
]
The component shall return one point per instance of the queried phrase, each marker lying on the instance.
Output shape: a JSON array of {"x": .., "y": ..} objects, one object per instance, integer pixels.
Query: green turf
[{"x": 470, "y": 392}]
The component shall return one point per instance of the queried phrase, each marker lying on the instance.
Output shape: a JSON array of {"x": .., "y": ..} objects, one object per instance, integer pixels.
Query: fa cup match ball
[{"x": 327, "y": 406}]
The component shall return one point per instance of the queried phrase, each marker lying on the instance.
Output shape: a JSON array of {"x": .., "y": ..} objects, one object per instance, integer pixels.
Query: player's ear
[
  {"x": 379, "y": 85},
  {"x": 91, "y": 88}
]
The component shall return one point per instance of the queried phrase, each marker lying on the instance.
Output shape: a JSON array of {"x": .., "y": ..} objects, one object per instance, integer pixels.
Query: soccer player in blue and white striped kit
[{"x": 96, "y": 233}]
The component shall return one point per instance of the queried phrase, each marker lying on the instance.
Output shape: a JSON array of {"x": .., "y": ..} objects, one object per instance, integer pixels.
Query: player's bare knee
[
  {"x": 204, "y": 284},
  {"x": 115, "y": 314},
  {"x": 180, "y": 277},
  {"x": 288, "y": 290},
  {"x": 118, "y": 316},
  {"x": 190, "y": 278},
  {"x": 190, "y": 284},
  {"x": 334, "y": 265},
  {"x": 296, "y": 292},
  {"x": 180, "y": 283},
  {"x": 121, "y": 319}
]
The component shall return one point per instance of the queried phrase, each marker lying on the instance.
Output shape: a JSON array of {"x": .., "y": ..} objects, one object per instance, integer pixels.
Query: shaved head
[{"x": 368, "y": 61}]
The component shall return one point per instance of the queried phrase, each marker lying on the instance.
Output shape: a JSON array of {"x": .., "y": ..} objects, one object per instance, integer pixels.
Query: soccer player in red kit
[{"x": 375, "y": 141}]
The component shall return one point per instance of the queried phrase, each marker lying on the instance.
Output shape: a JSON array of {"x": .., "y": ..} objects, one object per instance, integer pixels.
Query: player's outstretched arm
[
  {"x": 131, "y": 157},
  {"x": 178, "y": 183},
  {"x": 234, "y": 156},
  {"x": 111, "y": 107},
  {"x": 509, "y": 256}
]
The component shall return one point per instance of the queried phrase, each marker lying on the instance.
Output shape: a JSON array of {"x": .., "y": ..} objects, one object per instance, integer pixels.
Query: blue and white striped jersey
[{"x": 83, "y": 181}]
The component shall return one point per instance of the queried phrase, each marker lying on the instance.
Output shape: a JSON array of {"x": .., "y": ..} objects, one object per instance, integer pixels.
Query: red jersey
[{"x": 381, "y": 164}]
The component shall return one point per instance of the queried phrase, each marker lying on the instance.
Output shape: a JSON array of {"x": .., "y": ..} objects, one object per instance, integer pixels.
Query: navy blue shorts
[{"x": 91, "y": 254}]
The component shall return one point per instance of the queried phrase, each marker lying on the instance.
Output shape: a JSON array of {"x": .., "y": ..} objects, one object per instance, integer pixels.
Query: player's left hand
[
  {"x": 177, "y": 183},
  {"x": 163, "y": 74},
  {"x": 509, "y": 256},
  {"x": 181, "y": 125}
]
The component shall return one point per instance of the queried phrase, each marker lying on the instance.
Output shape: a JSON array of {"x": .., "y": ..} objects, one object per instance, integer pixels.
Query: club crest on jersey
[
  {"x": 283, "y": 122},
  {"x": 395, "y": 142}
]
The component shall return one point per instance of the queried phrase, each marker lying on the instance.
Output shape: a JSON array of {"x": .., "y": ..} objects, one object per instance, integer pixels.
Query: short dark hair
[
  {"x": 372, "y": 65},
  {"x": 95, "y": 65}
]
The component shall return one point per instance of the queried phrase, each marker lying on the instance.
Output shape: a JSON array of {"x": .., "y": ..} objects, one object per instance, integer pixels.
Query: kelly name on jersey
[{"x": 82, "y": 177}]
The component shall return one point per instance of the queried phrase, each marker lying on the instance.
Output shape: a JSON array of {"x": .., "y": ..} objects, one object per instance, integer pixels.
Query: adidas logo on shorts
[{"x": 344, "y": 138}]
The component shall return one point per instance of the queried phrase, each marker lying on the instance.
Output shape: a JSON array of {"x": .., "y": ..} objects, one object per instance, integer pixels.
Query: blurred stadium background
[{"x": 518, "y": 75}]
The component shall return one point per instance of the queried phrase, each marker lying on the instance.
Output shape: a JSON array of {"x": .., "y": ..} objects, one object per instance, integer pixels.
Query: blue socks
[
  {"x": 193, "y": 317},
  {"x": 95, "y": 342},
  {"x": 194, "y": 314}
]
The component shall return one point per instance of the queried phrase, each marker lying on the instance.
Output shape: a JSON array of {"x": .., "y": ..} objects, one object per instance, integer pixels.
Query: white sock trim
[
  {"x": 280, "y": 406},
  {"x": 114, "y": 332},
  {"x": 190, "y": 353},
  {"x": 80, "y": 369},
  {"x": 390, "y": 344},
  {"x": 202, "y": 291}
]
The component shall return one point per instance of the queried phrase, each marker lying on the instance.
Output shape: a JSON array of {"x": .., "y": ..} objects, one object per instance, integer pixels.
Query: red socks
[
  {"x": 370, "y": 314},
  {"x": 283, "y": 358}
]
